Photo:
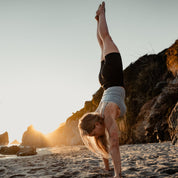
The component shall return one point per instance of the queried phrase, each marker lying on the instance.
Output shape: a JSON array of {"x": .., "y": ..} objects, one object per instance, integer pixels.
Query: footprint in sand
[
  {"x": 17, "y": 175},
  {"x": 2, "y": 171},
  {"x": 35, "y": 170}
]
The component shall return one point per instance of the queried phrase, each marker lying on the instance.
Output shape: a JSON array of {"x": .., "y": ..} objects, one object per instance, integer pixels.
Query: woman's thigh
[{"x": 109, "y": 46}]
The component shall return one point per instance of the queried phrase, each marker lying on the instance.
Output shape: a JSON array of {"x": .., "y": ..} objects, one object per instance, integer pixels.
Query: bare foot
[{"x": 101, "y": 9}]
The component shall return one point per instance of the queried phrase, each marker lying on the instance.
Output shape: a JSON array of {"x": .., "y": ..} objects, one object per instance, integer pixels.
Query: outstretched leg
[
  {"x": 108, "y": 44},
  {"x": 99, "y": 38}
]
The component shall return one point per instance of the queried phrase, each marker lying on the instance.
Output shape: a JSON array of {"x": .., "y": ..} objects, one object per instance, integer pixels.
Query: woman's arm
[
  {"x": 110, "y": 114},
  {"x": 106, "y": 164}
]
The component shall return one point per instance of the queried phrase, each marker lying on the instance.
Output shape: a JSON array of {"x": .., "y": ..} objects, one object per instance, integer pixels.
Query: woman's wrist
[{"x": 106, "y": 164}]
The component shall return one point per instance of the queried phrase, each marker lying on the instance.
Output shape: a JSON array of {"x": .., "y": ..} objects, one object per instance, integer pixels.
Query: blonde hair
[{"x": 86, "y": 125}]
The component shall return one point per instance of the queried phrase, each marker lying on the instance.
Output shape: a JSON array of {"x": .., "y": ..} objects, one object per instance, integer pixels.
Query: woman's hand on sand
[
  {"x": 117, "y": 176},
  {"x": 107, "y": 169}
]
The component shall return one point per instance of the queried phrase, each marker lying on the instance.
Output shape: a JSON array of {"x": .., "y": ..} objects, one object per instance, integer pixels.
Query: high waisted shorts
[{"x": 116, "y": 95}]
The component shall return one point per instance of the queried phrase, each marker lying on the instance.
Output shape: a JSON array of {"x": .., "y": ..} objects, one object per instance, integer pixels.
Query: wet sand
[{"x": 139, "y": 160}]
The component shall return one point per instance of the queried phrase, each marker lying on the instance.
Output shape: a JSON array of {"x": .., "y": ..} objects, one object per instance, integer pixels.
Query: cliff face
[
  {"x": 151, "y": 85},
  {"x": 156, "y": 97}
]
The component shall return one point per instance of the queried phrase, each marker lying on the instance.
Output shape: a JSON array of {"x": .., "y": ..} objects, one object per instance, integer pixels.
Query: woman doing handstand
[{"x": 99, "y": 129}]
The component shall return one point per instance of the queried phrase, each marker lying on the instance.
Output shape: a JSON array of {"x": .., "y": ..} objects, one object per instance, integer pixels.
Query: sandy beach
[{"x": 139, "y": 160}]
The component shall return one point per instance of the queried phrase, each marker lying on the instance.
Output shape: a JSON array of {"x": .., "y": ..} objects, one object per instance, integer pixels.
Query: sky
[{"x": 50, "y": 58}]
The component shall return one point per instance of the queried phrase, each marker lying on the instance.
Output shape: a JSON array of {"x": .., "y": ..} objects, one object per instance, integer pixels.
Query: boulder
[
  {"x": 18, "y": 150},
  {"x": 9, "y": 150},
  {"x": 26, "y": 151},
  {"x": 4, "y": 139}
]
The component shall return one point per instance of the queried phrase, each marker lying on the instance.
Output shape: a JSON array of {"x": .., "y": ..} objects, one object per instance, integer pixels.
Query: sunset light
[{"x": 49, "y": 57}]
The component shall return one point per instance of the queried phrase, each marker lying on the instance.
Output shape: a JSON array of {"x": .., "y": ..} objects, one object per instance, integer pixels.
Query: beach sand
[{"x": 139, "y": 160}]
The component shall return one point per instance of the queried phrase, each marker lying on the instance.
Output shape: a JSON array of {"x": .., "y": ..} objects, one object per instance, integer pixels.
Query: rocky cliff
[{"x": 151, "y": 85}]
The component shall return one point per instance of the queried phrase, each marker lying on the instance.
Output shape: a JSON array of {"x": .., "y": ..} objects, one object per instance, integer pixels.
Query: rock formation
[
  {"x": 15, "y": 142},
  {"x": 9, "y": 150},
  {"x": 31, "y": 137},
  {"x": 26, "y": 151},
  {"x": 18, "y": 150},
  {"x": 4, "y": 139}
]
